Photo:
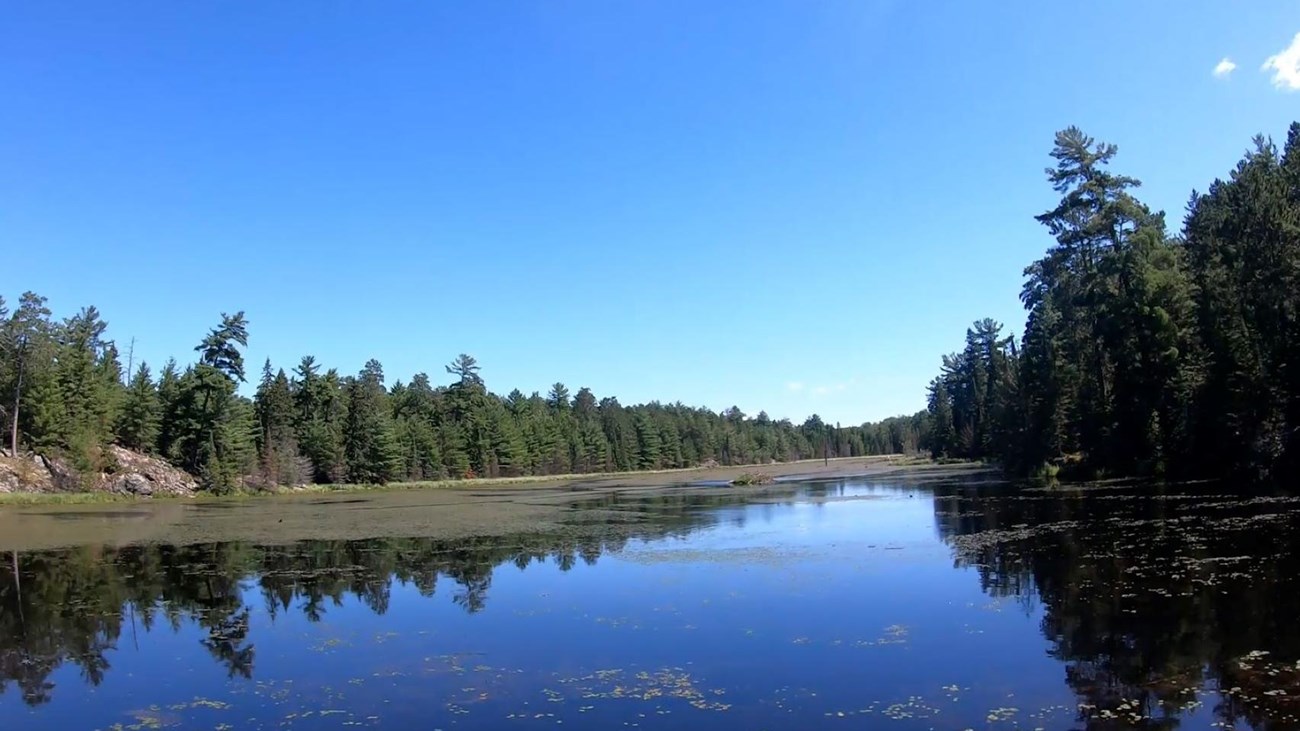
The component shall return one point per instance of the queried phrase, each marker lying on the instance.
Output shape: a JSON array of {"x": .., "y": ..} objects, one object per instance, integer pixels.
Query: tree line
[
  {"x": 1144, "y": 352},
  {"x": 67, "y": 394}
]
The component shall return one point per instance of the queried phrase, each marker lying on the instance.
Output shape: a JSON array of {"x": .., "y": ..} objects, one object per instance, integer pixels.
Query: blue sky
[{"x": 792, "y": 206}]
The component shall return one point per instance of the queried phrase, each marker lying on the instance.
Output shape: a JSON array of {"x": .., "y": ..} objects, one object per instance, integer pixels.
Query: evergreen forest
[
  {"x": 67, "y": 394},
  {"x": 1145, "y": 352}
]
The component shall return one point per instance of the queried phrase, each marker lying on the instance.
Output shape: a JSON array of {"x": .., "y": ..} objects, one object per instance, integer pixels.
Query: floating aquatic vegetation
[
  {"x": 665, "y": 683},
  {"x": 894, "y": 634},
  {"x": 913, "y": 707},
  {"x": 1001, "y": 714},
  {"x": 1137, "y": 598}
]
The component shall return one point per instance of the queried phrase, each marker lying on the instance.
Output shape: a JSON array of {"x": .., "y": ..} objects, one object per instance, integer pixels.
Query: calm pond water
[{"x": 868, "y": 603}]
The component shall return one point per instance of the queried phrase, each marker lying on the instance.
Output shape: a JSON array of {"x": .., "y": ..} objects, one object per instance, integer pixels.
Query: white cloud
[
  {"x": 1285, "y": 66},
  {"x": 1224, "y": 68},
  {"x": 817, "y": 390}
]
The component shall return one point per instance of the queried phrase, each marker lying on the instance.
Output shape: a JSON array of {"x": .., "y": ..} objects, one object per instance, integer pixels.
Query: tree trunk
[
  {"x": 18, "y": 394},
  {"x": 18, "y": 587}
]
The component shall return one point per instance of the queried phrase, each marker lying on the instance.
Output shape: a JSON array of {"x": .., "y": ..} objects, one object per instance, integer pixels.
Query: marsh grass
[
  {"x": 61, "y": 498},
  {"x": 841, "y": 465},
  {"x": 576, "y": 477},
  {"x": 1046, "y": 472}
]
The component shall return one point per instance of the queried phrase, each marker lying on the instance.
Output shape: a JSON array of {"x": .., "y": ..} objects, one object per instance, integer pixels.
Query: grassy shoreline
[
  {"x": 633, "y": 477},
  {"x": 462, "y": 511},
  {"x": 835, "y": 467}
]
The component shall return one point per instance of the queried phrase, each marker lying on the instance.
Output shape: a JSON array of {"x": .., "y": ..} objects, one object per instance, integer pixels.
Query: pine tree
[
  {"x": 220, "y": 349},
  {"x": 418, "y": 444},
  {"x": 140, "y": 419},
  {"x": 169, "y": 409},
  {"x": 321, "y": 411},
  {"x": 509, "y": 453},
  {"x": 87, "y": 378},
  {"x": 415, "y": 420},
  {"x": 371, "y": 451},
  {"x": 466, "y": 369},
  {"x": 277, "y": 444},
  {"x": 235, "y": 456},
  {"x": 217, "y": 429},
  {"x": 558, "y": 398},
  {"x": 1244, "y": 256},
  {"x": 28, "y": 344},
  {"x": 671, "y": 441},
  {"x": 649, "y": 444},
  {"x": 595, "y": 448},
  {"x": 1094, "y": 224},
  {"x": 620, "y": 433},
  {"x": 455, "y": 455},
  {"x": 942, "y": 441}
]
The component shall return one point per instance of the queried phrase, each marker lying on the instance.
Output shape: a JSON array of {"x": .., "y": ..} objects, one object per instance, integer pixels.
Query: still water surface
[{"x": 869, "y": 603}]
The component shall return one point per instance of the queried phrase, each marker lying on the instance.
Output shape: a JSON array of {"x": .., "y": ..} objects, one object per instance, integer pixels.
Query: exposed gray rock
[
  {"x": 62, "y": 475},
  {"x": 132, "y": 473},
  {"x": 144, "y": 476},
  {"x": 131, "y": 484},
  {"x": 24, "y": 474}
]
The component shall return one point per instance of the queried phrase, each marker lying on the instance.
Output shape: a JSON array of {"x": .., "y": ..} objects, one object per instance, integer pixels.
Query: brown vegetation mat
[{"x": 467, "y": 510}]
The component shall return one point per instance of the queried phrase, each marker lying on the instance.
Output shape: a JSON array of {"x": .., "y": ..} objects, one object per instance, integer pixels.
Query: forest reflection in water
[{"x": 1157, "y": 604}]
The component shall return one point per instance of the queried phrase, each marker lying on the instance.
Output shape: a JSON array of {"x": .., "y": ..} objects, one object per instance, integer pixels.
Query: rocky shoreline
[{"x": 133, "y": 474}]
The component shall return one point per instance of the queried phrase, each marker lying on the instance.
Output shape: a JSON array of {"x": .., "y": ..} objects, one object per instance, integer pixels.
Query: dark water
[{"x": 853, "y": 604}]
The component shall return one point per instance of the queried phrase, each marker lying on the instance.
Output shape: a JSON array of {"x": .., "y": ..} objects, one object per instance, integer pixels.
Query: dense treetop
[{"x": 1144, "y": 352}]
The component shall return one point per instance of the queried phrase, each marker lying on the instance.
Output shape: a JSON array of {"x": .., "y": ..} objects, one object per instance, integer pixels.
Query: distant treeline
[
  {"x": 1144, "y": 352},
  {"x": 65, "y": 395}
]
